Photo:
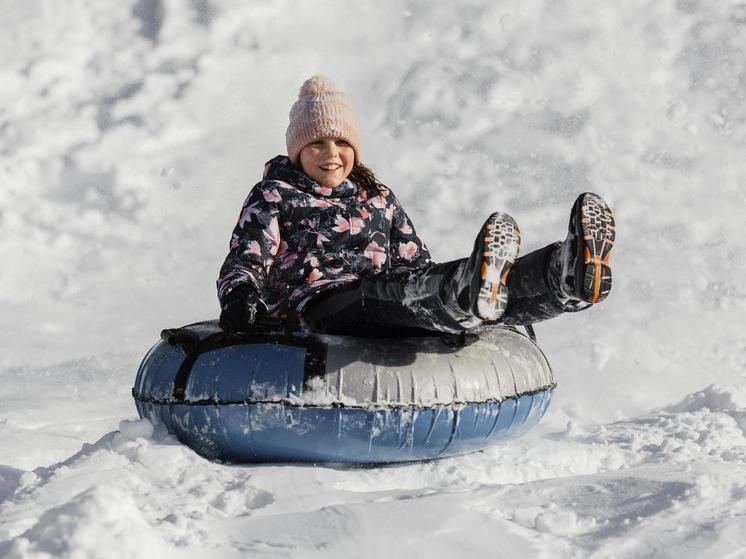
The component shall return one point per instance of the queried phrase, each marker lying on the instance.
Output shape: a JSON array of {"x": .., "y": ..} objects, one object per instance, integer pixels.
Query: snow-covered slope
[{"x": 130, "y": 132}]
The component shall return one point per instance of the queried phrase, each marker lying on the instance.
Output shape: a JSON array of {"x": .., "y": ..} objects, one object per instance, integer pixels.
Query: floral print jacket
[{"x": 296, "y": 238}]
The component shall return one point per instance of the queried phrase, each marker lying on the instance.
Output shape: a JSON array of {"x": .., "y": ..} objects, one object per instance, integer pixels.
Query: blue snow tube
[{"x": 315, "y": 398}]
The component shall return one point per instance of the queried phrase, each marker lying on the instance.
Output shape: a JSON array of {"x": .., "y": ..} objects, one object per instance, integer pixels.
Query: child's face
[{"x": 328, "y": 161}]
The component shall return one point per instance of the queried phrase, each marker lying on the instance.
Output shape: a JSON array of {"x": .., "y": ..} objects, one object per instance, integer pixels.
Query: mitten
[{"x": 242, "y": 310}]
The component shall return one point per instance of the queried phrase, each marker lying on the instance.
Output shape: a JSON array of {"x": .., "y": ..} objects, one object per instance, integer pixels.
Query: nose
[{"x": 331, "y": 147}]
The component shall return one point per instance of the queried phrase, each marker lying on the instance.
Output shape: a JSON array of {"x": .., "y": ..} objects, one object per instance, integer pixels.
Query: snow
[{"x": 130, "y": 133}]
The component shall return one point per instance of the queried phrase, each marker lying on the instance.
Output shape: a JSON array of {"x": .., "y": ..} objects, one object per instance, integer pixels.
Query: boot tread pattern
[
  {"x": 501, "y": 241},
  {"x": 598, "y": 233}
]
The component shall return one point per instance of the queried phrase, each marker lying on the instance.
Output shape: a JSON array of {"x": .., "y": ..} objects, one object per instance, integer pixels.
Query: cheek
[
  {"x": 349, "y": 160},
  {"x": 307, "y": 160}
]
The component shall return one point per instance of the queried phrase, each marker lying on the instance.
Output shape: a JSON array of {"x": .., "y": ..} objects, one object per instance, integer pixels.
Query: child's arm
[
  {"x": 254, "y": 243},
  {"x": 408, "y": 251}
]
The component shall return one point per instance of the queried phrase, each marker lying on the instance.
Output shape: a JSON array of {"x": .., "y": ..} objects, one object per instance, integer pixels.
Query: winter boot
[
  {"x": 580, "y": 268},
  {"x": 485, "y": 275}
]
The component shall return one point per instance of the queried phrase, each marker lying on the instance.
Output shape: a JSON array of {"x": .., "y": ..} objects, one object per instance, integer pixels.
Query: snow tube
[{"x": 301, "y": 397}]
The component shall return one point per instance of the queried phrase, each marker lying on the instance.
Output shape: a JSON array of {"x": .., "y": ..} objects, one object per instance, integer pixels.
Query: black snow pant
[{"x": 420, "y": 305}]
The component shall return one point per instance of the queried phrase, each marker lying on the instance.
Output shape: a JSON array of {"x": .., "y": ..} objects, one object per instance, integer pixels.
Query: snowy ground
[{"x": 130, "y": 132}]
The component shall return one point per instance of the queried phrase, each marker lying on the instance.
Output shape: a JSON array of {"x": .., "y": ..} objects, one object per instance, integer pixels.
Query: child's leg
[
  {"x": 455, "y": 296},
  {"x": 389, "y": 306},
  {"x": 533, "y": 298}
]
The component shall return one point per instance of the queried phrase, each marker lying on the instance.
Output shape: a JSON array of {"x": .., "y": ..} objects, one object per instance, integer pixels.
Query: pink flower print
[
  {"x": 272, "y": 195},
  {"x": 356, "y": 225},
  {"x": 234, "y": 242},
  {"x": 364, "y": 213},
  {"x": 378, "y": 202},
  {"x": 353, "y": 225},
  {"x": 247, "y": 214},
  {"x": 318, "y": 203},
  {"x": 376, "y": 253},
  {"x": 408, "y": 250},
  {"x": 314, "y": 275},
  {"x": 342, "y": 225},
  {"x": 272, "y": 233},
  {"x": 389, "y": 213},
  {"x": 324, "y": 190},
  {"x": 312, "y": 259},
  {"x": 320, "y": 239},
  {"x": 406, "y": 229},
  {"x": 252, "y": 247}
]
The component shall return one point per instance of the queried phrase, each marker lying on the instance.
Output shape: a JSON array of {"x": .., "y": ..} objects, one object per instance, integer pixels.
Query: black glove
[{"x": 243, "y": 310}]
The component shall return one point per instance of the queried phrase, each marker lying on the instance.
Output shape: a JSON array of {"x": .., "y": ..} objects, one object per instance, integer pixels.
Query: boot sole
[
  {"x": 595, "y": 224},
  {"x": 500, "y": 241}
]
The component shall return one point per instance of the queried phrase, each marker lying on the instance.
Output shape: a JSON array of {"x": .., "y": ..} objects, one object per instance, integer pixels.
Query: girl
[{"x": 324, "y": 246}]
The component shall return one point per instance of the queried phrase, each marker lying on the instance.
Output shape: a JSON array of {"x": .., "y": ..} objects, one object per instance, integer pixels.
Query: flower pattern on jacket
[{"x": 296, "y": 238}]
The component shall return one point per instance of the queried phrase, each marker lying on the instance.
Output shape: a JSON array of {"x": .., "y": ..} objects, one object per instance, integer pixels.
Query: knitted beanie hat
[{"x": 321, "y": 111}]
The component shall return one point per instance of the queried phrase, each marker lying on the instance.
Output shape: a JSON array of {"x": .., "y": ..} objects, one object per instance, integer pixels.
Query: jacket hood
[{"x": 280, "y": 168}]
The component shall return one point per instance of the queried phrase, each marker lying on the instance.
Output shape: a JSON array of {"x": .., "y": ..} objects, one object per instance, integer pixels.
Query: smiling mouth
[{"x": 330, "y": 167}]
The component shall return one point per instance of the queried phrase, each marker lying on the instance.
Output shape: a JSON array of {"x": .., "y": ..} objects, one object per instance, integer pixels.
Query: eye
[{"x": 343, "y": 143}]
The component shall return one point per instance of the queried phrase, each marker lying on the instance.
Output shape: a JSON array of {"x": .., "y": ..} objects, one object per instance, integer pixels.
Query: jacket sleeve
[
  {"x": 407, "y": 250},
  {"x": 254, "y": 242}
]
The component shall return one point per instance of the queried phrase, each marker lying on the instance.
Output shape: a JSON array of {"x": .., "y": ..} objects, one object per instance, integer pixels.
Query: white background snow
[{"x": 130, "y": 133}]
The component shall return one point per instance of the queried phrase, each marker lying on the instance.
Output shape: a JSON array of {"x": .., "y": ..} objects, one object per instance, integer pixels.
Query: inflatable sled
[{"x": 301, "y": 397}]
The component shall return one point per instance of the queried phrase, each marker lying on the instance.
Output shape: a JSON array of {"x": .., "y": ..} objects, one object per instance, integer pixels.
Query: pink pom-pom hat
[{"x": 321, "y": 111}]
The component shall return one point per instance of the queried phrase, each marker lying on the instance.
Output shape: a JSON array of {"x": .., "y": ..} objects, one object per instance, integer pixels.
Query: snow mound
[
  {"x": 680, "y": 437},
  {"x": 10, "y": 478},
  {"x": 133, "y": 489},
  {"x": 715, "y": 398},
  {"x": 138, "y": 428},
  {"x": 100, "y": 518}
]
